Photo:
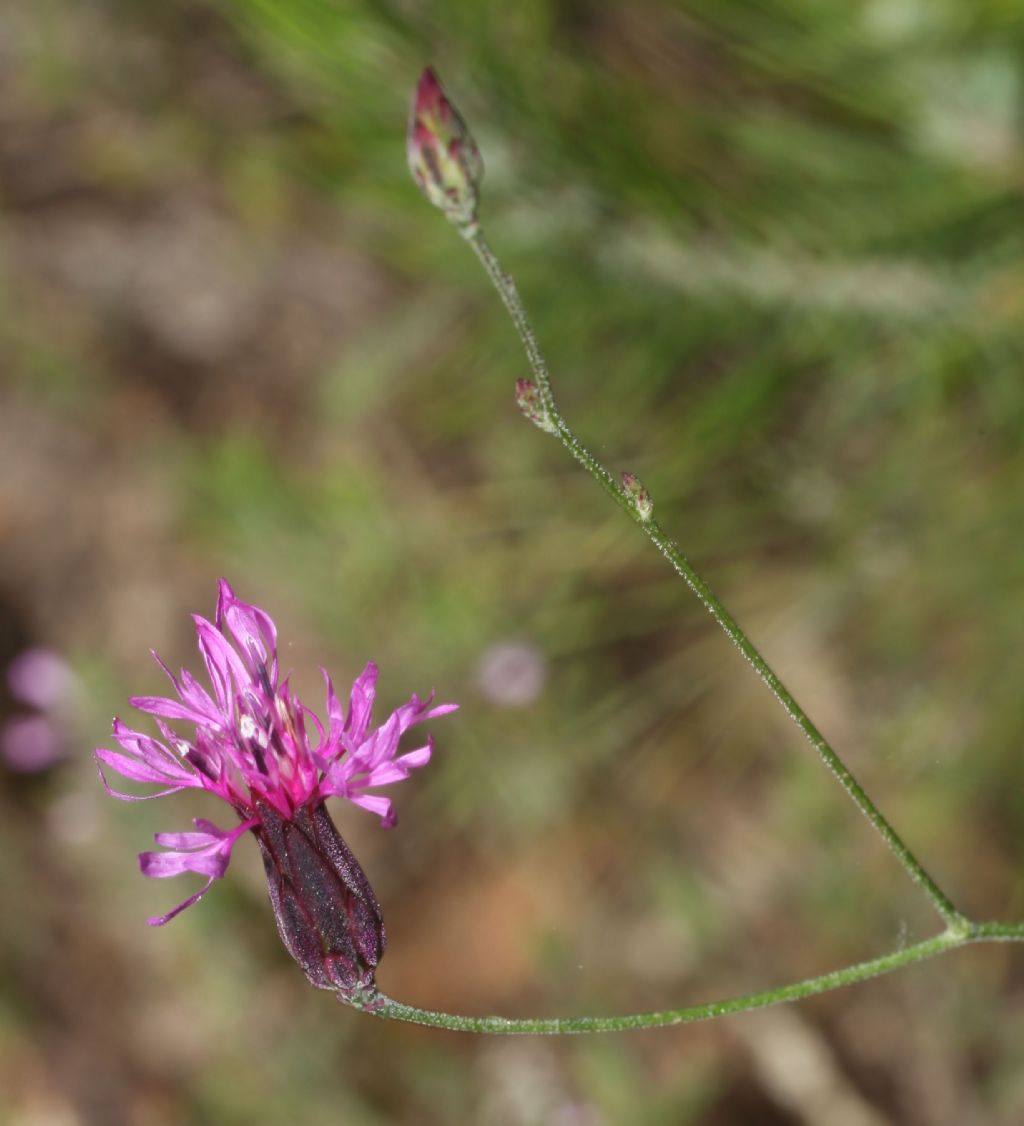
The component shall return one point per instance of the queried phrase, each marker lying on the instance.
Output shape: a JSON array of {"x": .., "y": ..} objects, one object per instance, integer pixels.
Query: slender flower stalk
[
  {"x": 632, "y": 497},
  {"x": 691, "y": 1014},
  {"x": 255, "y": 746}
]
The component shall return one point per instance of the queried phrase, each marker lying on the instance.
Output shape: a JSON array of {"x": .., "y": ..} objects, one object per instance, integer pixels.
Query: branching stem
[
  {"x": 959, "y": 930},
  {"x": 506, "y": 288}
]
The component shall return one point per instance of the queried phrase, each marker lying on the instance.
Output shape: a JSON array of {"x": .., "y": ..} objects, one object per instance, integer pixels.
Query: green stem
[
  {"x": 506, "y": 288},
  {"x": 954, "y": 936}
]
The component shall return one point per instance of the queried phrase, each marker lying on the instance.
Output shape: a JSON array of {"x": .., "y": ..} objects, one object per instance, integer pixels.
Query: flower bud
[
  {"x": 639, "y": 496},
  {"x": 326, "y": 912},
  {"x": 529, "y": 402},
  {"x": 443, "y": 157}
]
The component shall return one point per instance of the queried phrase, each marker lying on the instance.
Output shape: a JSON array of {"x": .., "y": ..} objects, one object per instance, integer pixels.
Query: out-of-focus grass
[{"x": 773, "y": 253}]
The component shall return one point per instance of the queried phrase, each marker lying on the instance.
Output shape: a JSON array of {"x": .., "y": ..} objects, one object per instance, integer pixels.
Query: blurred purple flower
[
  {"x": 257, "y": 747},
  {"x": 42, "y": 680},
  {"x": 511, "y": 674},
  {"x": 31, "y": 743}
]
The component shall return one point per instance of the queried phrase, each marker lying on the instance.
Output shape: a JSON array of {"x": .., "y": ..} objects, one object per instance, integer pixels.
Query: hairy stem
[
  {"x": 954, "y": 936},
  {"x": 506, "y": 288}
]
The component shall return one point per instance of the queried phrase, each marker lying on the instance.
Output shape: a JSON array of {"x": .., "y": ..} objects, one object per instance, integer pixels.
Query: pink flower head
[
  {"x": 251, "y": 742},
  {"x": 443, "y": 157}
]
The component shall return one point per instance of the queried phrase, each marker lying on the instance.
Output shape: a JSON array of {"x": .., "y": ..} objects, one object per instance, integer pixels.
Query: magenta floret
[{"x": 258, "y": 748}]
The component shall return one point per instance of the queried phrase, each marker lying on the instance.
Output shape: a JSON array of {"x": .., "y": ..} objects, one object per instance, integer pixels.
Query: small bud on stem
[
  {"x": 640, "y": 497},
  {"x": 528, "y": 399},
  {"x": 443, "y": 157}
]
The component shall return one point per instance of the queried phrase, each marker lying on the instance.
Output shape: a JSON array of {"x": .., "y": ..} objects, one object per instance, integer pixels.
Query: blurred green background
[{"x": 774, "y": 252}]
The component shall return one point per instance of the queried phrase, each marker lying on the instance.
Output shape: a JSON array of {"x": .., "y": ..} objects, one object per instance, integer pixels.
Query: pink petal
[
  {"x": 170, "y": 709},
  {"x": 335, "y": 712},
  {"x": 225, "y": 595},
  {"x": 200, "y": 699},
  {"x": 222, "y": 661},
  {"x": 441, "y": 709},
  {"x": 151, "y": 751},
  {"x": 135, "y": 797},
  {"x": 309, "y": 716},
  {"x": 187, "y": 840},
  {"x": 216, "y": 831},
  {"x": 252, "y": 629},
  {"x": 207, "y": 851},
  {"x": 195, "y": 695},
  {"x": 360, "y": 703},
  {"x": 142, "y": 772},
  {"x": 161, "y": 919},
  {"x": 383, "y": 775},
  {"x": 165, "y": 865},
  {"x": 382, "y": 744},
  {"x": 375, "y": 804},
  {"x": 419, "y": 757}
]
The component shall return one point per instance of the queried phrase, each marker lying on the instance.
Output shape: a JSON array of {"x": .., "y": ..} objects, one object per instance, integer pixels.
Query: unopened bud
[
  {"x": 443, "y": 157},
  {"x": 326, "y": 912},
  {"x": 529, "y": 401},
  {"x": 640, "y": 497}
]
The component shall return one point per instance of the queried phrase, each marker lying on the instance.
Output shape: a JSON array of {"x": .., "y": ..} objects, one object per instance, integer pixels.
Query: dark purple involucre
[{"x": 327, "y": 915}]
